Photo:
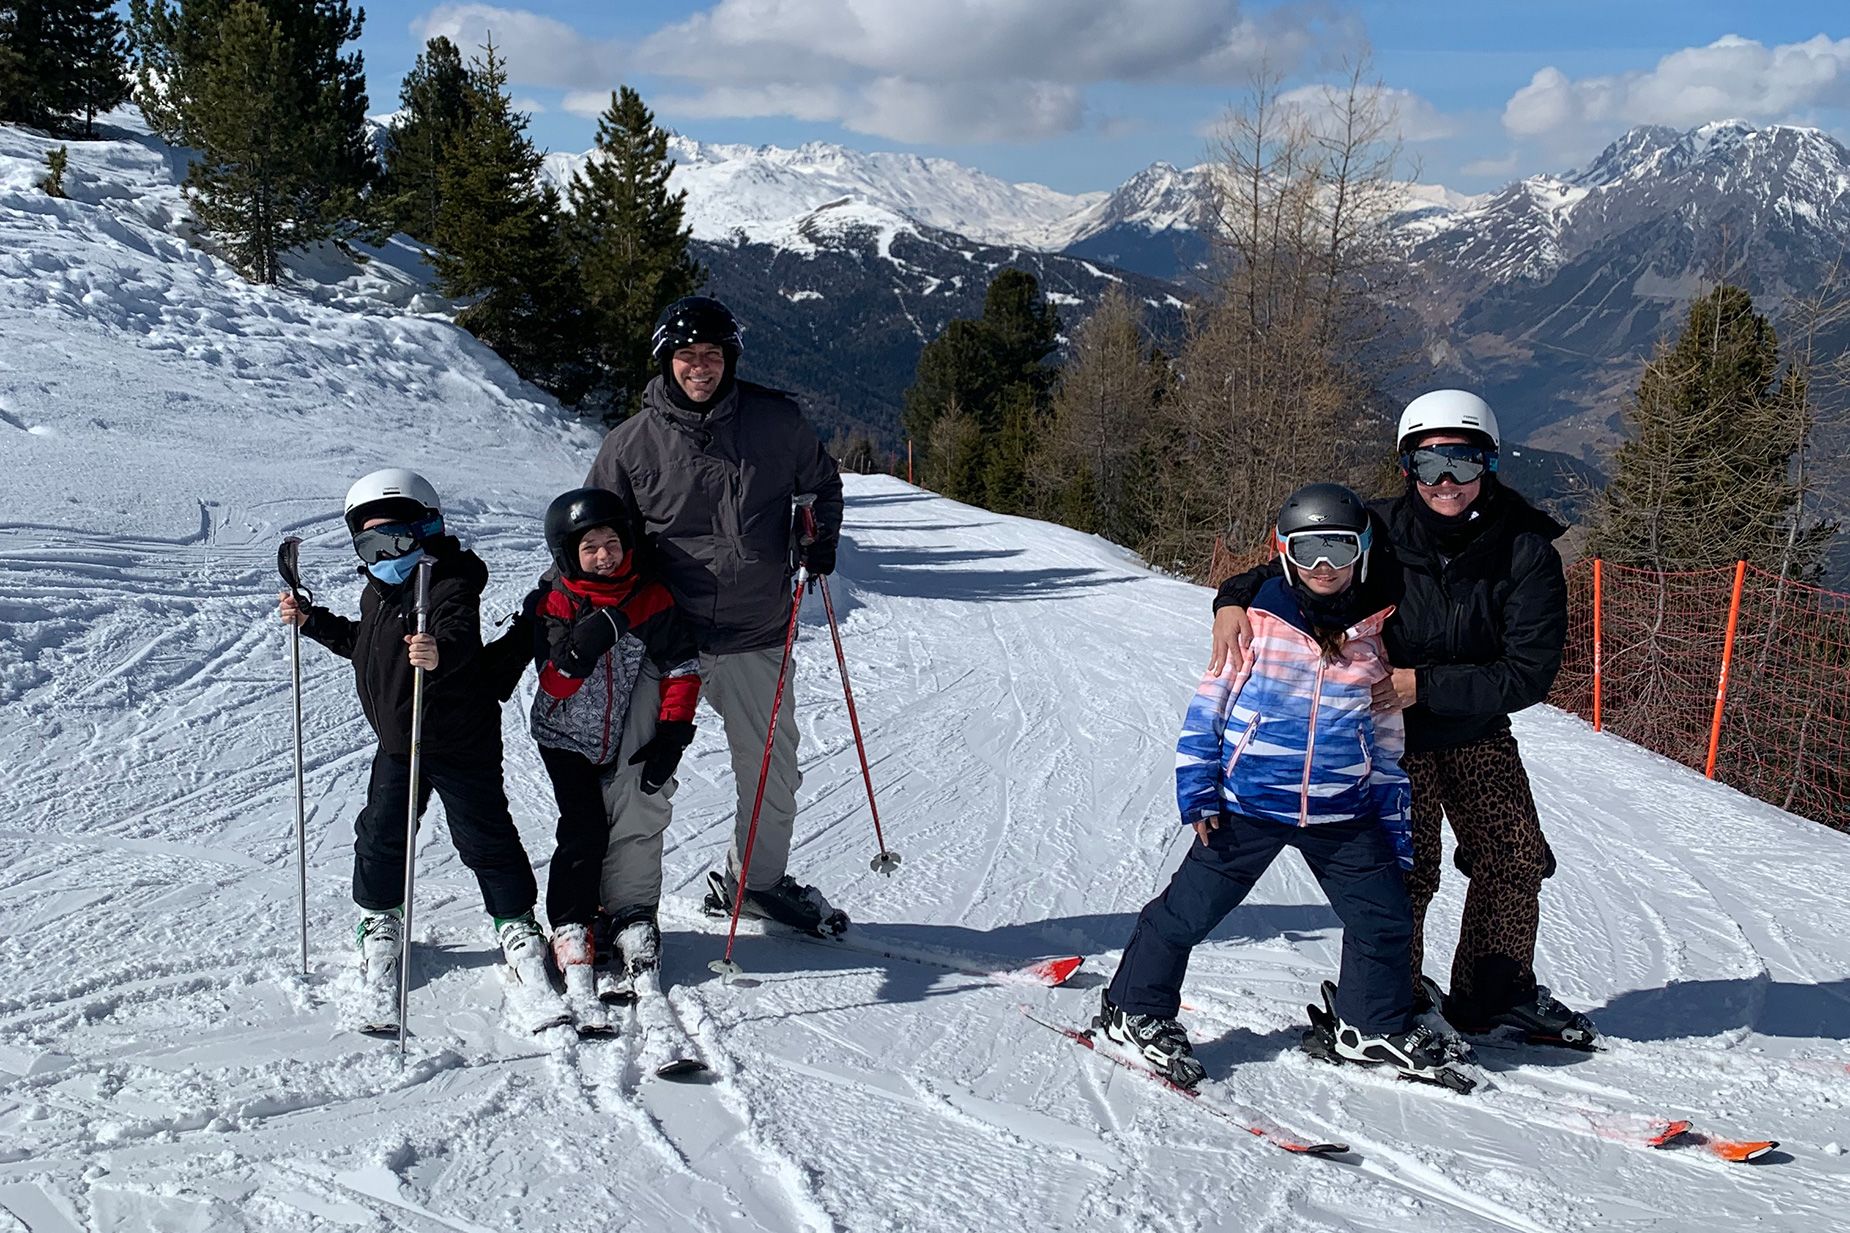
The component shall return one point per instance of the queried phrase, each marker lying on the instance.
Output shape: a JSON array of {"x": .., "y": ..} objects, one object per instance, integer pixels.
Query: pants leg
[
  {"x": 475, "y": 802},
  {"x": 1493, "y": 814},
  {"x": 379, "y": 833},
  {"x": 583, "y": 835},
  {"x": 740, "y": 688},
  {"x": 1354, "y": 864},
  {"x": 1213, "y": 879},
  {"x": 632, "y": 881},
  {"x": 1426, "y": 773}
]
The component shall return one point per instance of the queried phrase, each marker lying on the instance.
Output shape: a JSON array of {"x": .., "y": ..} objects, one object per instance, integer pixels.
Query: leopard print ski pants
[{"x": 1484, "y": 790}]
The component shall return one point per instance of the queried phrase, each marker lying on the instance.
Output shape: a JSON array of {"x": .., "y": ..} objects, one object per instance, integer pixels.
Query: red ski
[{"x": 1249, "y": 1121}]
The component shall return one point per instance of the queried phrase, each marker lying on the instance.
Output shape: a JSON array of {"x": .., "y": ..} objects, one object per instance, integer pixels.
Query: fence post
[
  {"x": 1598, "y": 600},
  {"x": 1721, "y": 683}
]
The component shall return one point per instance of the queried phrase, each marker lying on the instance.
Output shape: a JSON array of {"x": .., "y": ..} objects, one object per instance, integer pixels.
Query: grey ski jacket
[{"x": 713, "y": 494}]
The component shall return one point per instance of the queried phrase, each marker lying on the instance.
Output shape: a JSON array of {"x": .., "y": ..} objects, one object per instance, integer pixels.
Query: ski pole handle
[{"x": 422, "y": 603}]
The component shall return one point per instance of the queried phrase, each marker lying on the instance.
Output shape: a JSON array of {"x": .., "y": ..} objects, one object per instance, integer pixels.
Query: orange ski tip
[
  {"x": 1664, "y": 1132},
  {"x": 1054, "y": 971},
  {"x": 1742, "y": 1149}
]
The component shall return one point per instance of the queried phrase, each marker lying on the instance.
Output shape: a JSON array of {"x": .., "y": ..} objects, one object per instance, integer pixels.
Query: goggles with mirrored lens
[
  {"x": 1459, "y": 461},
  {"x": 1309, "y": 549},
  {"x": 391, "y": 540}
]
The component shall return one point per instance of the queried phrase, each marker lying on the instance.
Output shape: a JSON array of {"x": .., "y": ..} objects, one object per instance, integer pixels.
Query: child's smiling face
[{"x": 600, "y": 551}]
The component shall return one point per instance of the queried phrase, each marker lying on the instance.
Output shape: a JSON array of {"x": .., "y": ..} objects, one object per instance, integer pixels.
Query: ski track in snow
[{"x": 164, "y": 1066}]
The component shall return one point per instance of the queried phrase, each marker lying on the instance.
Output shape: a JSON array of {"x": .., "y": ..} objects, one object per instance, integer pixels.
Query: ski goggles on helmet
[
  {"x": 1458, "y": 461},
  {"x": 1337, "y": 549},
  {"x": 391, "y": 540}
]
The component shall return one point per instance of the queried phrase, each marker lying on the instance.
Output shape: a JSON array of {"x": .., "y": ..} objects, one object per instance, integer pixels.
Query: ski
[
  {"x": 666, "y": 1050},
  {"x": 1249, "y": 1121}
]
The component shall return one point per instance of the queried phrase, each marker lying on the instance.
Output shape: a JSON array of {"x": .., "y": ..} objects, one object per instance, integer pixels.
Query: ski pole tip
[
  {"x": 729, "y": 971},
  {"x": 885, "y": 863}
]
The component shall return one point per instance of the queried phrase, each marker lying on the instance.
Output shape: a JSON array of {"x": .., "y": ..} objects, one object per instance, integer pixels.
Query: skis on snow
[
  {"x": 1247, "y": 1120},
  {"x": 661, "y": 1045}
]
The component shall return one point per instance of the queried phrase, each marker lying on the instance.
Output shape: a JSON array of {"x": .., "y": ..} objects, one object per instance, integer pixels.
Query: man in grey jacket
[{"x": 712, "y": 466}]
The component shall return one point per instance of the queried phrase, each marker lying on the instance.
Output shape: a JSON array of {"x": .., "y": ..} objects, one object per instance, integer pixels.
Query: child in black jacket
[{"x": 395, "y": 521}]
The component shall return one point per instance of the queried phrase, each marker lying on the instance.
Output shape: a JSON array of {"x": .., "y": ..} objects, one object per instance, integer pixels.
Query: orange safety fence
[{"x": 1733, "y": 671}]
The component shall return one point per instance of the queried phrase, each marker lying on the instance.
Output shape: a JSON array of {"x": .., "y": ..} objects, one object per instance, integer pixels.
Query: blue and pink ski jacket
[{"x": 1285, "y": 736}]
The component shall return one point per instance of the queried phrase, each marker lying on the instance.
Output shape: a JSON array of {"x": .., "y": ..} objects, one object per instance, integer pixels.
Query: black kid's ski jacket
[
  {"x": 713, "y": 493},
  {"x": 1483, "y": 630},
  {"x": 461, "y": 712}
]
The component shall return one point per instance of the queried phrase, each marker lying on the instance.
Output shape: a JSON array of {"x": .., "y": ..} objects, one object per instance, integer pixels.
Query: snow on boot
[
  {"x": 378, "y": 941},
  {"x": 639, "y": 946},
  {"x": 1541, "y": 1020},
  {"x": 1162, "y": 1044},
  {"x": 532, "y": 1005},
  {"x": 572, "y": 955},
  {"x": 786, "y": 901}
]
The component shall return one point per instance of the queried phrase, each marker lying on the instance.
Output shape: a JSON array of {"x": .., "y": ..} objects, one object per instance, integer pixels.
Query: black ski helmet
[
  {"x": 695, "y": 319},
  {"x": 573, "y": 513},
  {"x": 1324, "y": 507}
]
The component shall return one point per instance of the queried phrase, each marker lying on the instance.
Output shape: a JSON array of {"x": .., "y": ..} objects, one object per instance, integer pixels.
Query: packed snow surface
[{"x": 164, "y": 1066}]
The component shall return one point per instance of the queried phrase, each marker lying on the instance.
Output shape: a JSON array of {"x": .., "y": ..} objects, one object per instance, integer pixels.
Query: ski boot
[
  {"x": 1421, "y": 1052},
  {"x": 786, "y": 901},
  {"x": 1161, "y": 1043},
  {"x": 531, "y": 1005},
  {"x": 574, "y": 956},
  {"x": 378, "y": 939},
  {"x": 1540, "y": 1020},
  {"x": 638, "y": 946}
]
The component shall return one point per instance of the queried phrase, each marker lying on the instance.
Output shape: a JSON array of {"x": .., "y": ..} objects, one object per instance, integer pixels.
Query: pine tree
[
  {"x": 994, "y": 370},
  {"x": 319, "y": 93},
  {"x": 1705, "y": 477},
  {"x": 60, "y": 61},
  {"x": 249, "y": 188},
  {"x": 631, "y": 246},
  {"x": 434, "y": 110},
  {"x": 500, "y": 241}
]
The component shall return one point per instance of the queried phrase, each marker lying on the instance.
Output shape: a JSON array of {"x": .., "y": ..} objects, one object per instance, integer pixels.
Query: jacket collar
[{"x": 1275, "y": 598}]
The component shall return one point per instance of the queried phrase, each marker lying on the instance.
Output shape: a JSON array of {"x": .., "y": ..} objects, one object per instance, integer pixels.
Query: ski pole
[
  {"x": 288, "y": 565},
  {"x": 886, "y": 861},
  {"x": 411, "y": 810},
  {"x": 725, "y": 966}
]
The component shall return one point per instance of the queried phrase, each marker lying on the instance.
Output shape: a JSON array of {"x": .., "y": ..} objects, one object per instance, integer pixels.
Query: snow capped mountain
[{"x": 755, "y": 191}]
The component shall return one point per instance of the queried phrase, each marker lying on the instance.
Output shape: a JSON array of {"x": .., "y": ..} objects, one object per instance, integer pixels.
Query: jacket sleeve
[
  {"x": 332, "y": 631},
  {"x": 1198, "y": 749},
  {"x": 674, "y": 652},
  {"x": 1392, "y": 791},
  {"x": 1534, "y": 631},
  {"x": 456, "y": 623},
  {"x": 817, "y": 473},
  {"x": 1241, "y": 588}
]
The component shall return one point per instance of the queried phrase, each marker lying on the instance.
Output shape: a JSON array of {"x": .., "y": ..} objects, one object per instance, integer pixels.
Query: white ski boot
[
  {"x": 574, "y": 957},
  {"x": 532, "y": 1005}
]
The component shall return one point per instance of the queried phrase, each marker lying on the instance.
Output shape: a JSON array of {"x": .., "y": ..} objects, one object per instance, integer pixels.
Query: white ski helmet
[
  {"x": 390, "y": 493},
  {"x": 1447, "y": 411}
]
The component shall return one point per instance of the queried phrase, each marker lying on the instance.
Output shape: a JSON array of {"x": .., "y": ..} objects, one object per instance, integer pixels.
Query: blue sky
[{"x": 1080, "y": 94}]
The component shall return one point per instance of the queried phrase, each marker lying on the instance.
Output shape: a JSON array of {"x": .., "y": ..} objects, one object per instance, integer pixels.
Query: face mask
[{"x": 396, "y": 569}]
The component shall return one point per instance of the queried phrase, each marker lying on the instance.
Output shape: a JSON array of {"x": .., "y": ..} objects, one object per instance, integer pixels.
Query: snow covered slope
[{"x": 161, "y": 1067}]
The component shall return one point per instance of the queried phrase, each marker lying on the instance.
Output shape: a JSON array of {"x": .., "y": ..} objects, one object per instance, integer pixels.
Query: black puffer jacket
[
  {"x": 462, "y": 715},
  {"x": 1483, "y": 629},
  {"x": 714, "y": 492}
]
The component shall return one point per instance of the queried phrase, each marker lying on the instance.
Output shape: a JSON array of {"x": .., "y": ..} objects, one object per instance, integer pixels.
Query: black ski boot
[
  {"x": 638, "y": 945},
  {"x": 1162, "y": 1043},
  {"x": 1422, "y": 1052},
  {"x": 1541, "y": 1020},
  {"x": 786, "y": 901}
]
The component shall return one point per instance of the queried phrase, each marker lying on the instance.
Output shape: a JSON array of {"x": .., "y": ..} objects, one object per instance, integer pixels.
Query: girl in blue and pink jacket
[{"x": 1286, "y": 748}]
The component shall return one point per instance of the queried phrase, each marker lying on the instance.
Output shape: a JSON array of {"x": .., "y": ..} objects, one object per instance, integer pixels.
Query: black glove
[
  {"x": 661, "y": 754},
  {"x": 592, "y": 634},
  {"x": 819, "y": 557}
]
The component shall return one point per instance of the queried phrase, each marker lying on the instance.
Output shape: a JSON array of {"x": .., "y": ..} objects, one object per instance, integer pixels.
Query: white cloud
[
  {"x": 1492, "y": 166},
  {"x": 1731, "y": 77},
  {"x": 530, "y": 106},
  {"x": 910, "y": 70},
  {"x": 539, "y": 50},
  {"x": 1415, "y": 118}
]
